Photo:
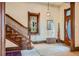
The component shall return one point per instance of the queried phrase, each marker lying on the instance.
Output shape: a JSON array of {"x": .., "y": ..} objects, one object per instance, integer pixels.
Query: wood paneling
[{"x": 2, "y": 29}]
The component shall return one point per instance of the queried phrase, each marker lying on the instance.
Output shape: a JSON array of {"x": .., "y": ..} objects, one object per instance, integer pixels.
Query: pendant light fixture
[{"x": 48, "y": 10}]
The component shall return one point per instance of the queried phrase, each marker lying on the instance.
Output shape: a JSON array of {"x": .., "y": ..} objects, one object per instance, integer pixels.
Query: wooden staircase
[
  {"x": 13, "y": 36},
  {"x": 17, "y": 34}
]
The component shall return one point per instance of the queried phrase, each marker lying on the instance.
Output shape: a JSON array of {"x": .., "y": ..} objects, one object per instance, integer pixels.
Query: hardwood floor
[{"x": 44, "y": 49}]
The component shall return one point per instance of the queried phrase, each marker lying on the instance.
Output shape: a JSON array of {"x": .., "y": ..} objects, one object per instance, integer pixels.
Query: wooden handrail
[{"x": 16, "y": 21}]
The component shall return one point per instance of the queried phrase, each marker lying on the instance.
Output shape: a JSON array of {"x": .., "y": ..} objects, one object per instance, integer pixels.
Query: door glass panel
[
  {"x": 69, "y": 29},
  {"x": 68, "y": 13}
]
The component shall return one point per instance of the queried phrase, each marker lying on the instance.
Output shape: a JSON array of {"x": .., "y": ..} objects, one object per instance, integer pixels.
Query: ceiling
[
  {"x": 54, "y": 3},
  {"x": 58, "y": 4}
]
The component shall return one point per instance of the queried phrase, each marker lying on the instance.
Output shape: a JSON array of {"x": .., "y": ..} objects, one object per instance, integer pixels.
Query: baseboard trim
[
  {"x": 75, "y": 49},
  {"x": 39, "y": 42}
]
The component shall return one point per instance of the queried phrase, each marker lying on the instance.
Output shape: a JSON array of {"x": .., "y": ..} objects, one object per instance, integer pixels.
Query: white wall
[
  {"x": 10, "y": 44},
  {"x": 76, "y": 24},
  {"x": 19, "y": 11}
]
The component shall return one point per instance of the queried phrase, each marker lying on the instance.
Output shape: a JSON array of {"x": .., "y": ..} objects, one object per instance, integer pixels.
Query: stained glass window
[{"x": 33, "y": 23}]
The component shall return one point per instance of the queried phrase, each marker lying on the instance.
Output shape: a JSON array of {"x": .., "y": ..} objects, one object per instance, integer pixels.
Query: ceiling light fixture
[{"x": 48, "y": 10}]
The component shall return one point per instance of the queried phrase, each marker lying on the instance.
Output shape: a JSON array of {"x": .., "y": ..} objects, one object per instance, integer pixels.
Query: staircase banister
[{"x": 16, "y": 21}]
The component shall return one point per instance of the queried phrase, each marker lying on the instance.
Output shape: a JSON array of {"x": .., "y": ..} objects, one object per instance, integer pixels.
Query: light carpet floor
[{"x": 49, "y": 50}]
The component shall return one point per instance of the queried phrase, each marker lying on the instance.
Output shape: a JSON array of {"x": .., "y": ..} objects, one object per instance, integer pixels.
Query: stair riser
[{"x": 13, "y": 36}]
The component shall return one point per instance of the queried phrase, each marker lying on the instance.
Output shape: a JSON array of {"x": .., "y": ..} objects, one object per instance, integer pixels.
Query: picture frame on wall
[{"x": 49, "y": 24}]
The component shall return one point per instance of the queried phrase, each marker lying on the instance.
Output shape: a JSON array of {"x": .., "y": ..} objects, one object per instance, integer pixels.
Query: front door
[{"x": 67, "y": 26}]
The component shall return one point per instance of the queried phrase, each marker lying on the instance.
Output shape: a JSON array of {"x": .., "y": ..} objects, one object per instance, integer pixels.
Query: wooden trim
[
  {"x": 2, "y": 29},
  {"x": 76, "y": 49},
  {"x": 58, "y": 40},
  {"x": 33, "y": 14},
  {"x": 66, "y": 39},
  {"x": 64, "y": 24},
  {"x": 68, "y": 9},
  {"x": 13, "y": 48},
  {"x": 72, "y": 5},
  {"x": 16, "y": 21}
]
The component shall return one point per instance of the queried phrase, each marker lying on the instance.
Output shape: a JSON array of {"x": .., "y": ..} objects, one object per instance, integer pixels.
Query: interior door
[{"x": 67, "y": 26}]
